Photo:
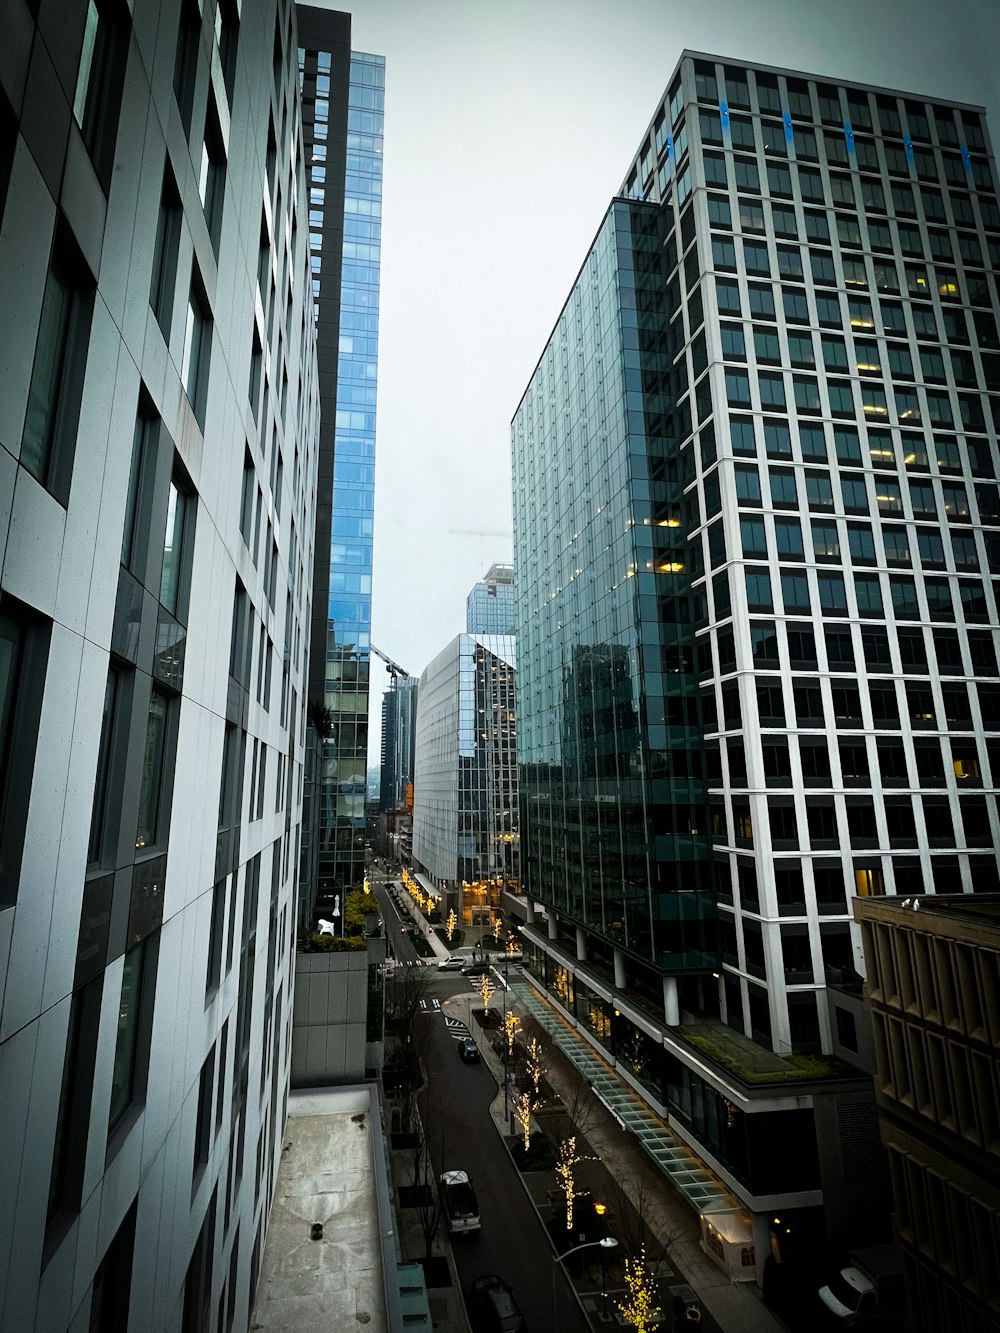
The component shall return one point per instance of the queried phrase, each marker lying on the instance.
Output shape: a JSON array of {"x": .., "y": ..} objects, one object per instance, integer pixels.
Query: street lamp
[{"x": 605, "y": 1243}]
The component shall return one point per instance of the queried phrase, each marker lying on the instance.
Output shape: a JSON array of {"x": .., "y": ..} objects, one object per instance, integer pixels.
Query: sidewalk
[{"x": 732, "y": 1308}]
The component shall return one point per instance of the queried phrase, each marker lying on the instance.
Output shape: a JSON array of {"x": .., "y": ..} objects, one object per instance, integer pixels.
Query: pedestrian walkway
[
  {"x": 428, "y": 931},
  {"x": 703, "y": 1190}
]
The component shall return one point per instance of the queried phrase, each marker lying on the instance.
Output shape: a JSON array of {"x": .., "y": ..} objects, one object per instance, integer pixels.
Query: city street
[{"x": 462, "y": 1135}]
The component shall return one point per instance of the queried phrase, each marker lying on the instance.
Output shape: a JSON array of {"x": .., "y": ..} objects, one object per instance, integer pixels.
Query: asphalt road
[{"x": 462, "y": 1136}]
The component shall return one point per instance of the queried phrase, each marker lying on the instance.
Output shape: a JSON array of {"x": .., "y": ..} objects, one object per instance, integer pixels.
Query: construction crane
[{"x": 394, "y": 668}]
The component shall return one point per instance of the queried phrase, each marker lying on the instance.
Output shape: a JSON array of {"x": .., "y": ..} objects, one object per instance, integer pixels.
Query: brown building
[{"x": 933, "y": 967}]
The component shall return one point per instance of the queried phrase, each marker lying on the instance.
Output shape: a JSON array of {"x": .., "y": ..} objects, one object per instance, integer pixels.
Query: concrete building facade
[
  {"x": 756, "y": 617},
  {"x": 158, "y": 461},
  {"x": 933, "y": 991}
]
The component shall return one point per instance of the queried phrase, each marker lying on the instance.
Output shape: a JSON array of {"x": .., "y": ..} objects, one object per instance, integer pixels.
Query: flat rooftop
[{"x": 332, "y": 1164}]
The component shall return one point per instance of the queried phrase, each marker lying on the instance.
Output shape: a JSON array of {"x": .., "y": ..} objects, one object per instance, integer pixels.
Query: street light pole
[{"x": 605, "y": 1243}]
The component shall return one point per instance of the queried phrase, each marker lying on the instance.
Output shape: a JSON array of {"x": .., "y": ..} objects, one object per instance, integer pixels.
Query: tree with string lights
[
  {"x": 524, "y": 1109},
  {"x": 486, "y": 990},
  {"x": 566, "y": 1165},
  {"x": 535, "y": 1067},
  {"x": 639, "y": 1310},
  {"x": 511, "y": 1027},
  {"x": 452, "y": 922}
]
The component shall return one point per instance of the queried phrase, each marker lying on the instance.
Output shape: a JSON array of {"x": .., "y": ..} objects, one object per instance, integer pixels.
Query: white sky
[{"x": 508, "y": 126}]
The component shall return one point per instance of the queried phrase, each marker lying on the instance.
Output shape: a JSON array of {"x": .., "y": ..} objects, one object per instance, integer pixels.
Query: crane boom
[{"x": 394, "y": 668}]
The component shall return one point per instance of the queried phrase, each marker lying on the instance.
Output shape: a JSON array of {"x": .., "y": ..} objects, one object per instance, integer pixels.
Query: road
[{"x": 462, "y": 1136}]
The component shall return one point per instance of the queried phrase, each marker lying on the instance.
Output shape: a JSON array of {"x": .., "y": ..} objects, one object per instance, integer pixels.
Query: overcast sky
[{"x": 508, "y": 127}]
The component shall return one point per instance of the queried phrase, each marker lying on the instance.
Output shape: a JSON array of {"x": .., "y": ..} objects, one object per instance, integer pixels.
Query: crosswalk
[
  {"x": 457, "y": 1030},
  {"x": 426, "y": 1005}
]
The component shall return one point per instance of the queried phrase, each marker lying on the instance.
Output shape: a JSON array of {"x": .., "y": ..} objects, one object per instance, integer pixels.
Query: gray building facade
[
  {"x": 754, "y": 553},
  {"x": 158, "y": 458}
]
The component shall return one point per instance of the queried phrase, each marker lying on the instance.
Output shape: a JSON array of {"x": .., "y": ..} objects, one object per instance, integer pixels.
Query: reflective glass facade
[
  {"x": 489, "y": 608},
  {"x": 343, "y": 767},
  {"x": 610, "y": 727}
]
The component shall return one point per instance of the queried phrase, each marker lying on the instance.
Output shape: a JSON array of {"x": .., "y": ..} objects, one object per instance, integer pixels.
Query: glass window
[
  {"x": 772, "y": 390},
  {"x": 751, "y": 215},
  {"x": 168, "y": 233},
  {"x": 825, "y": 541},
  {"x": 733, "y": 345},
  {"x": 755, "y": 257},
  {"x": 738, "y": 388},
  {"x": 173, "y": 548},
  {"x": 746, "y": 175},
  {"x": 777, "y": 439},
  {"x": 800, "y": 349},
  {"x": 819, "y": 491},
  {"x": 99, "y": 84},
  {"x": 123, "y": 1073},
  {"x": 197, "y": 352},
  {"x": 150, "y": 790},
  {"x": 48, "y": 439},
  {"x": 766, "y": 345},
  {"x": 728, "y": 294},
  {"x": 761, "y": 302},
  {"x": 795, "y": 593}
]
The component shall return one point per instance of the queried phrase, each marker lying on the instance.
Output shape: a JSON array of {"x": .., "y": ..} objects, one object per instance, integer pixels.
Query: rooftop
[{"x": 332, "y": 1172}]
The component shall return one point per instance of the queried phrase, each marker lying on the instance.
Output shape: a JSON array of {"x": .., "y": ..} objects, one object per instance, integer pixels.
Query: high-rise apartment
[
  {"x": 489, "y": 608},
  {"x": 756, "y": 524},
  {"x": 465, "y": 774},
  {"x": 933, "y": 990},
  {"x": 158, "y": 454},
  {"x": 342, "y": 101},
  {"x": 399, "y": 724}
]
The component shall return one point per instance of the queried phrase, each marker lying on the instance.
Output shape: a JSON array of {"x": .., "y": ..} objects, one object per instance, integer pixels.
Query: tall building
[
  {"x": 489, "y": 608},
  {"x": 756, "y": 521},
  {"x": 399, "y": 730},
  {"x": 159, "y": 427},
  {"x": 342, "y": 99},
  {"x": 465, "y": 775},
  {"x": 933, "y": 990}
]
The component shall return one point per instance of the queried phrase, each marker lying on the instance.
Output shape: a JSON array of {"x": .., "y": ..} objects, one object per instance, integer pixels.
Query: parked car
[
  {"x": 458, "y": 1198},
  {"x": 494, "y": 1303},
  {"x": 456, "y": 963},
  {"x": 477, "y": 969},
  {"x": 468, "y": 1050}
]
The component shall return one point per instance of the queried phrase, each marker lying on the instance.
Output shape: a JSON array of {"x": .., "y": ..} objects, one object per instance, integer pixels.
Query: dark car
[
  {"x": 477, "y": 969},
  {"x": 493, "y": 1302},
  {"x": 468, "y": 1050}
]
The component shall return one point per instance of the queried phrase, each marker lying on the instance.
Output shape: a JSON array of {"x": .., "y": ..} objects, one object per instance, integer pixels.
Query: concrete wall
[{"x": 329, "y": 1018}]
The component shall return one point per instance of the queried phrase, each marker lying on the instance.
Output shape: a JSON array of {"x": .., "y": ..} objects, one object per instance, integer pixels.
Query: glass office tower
[
  {"x": 757, "y": 524},
  {"x": 489, "y": 607},
  {"x": 344, "y": 235}
]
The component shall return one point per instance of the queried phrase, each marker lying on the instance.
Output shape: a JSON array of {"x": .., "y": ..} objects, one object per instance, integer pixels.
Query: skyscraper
[
  {"x": 754, "y": 547},
  {"x": 489, "y": 608},
  {"x": 344, "y": 149},
  {"x": 159, "y": 429},
  {"x": 399, "y": 721},
  {"x": 465, "y": 774}
]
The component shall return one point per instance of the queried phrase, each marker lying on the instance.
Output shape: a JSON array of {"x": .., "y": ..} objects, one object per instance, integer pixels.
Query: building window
[
  {"x": 99, "y": 83},
  {"x": 197, "y": 349},
  {"x": 109, "y": 1303},
  {"x": 176, "y": 542},
  {"x": 102, "y": 785},
  {"x": 168, "y": 235},
  {"x": 73, "y": 1118},
  {"x": 212, "y": 176},
  {"x": 186, "y": 62},
  {"x": 151, "y": 787},
  {"x": 23, "y": 659},
  {"x": 48, "y": 443},
  {"x": 134, "y": 1015}
]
